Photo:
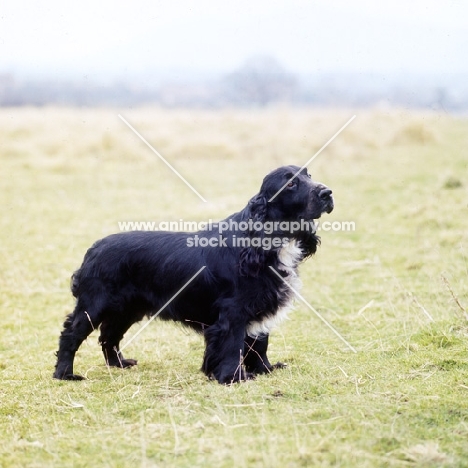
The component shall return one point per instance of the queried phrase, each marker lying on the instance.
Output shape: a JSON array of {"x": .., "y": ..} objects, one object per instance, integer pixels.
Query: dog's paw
[
  {"x": 266, "y": 369},
  {"x": 237, "y": 377},
  {"x": 69, "y": 377},
  {"x": 279, "y": 365},
  {"x": 129, "y": 362},
  {"x": 122, "y": 363}
]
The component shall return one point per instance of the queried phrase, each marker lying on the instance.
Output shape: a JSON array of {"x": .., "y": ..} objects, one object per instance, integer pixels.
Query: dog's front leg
[
  {"x": 256, "y": 360},
  {"x": 224, "y": 352}
]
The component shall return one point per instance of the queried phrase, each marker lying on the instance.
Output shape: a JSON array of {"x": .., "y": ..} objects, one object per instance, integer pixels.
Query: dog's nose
[{"x": 325, "y": 193}]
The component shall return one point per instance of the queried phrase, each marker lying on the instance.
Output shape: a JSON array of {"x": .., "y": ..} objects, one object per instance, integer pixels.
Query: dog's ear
[
  {"x": 257, "y": 208},
  {"x": 309, "y": 242},
  {"x": 252, "y": 257},
  {"x": 251, "y": 261}
]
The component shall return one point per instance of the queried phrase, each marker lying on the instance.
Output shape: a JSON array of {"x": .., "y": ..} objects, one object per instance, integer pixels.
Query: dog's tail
[{"x": 86, "y": 270}]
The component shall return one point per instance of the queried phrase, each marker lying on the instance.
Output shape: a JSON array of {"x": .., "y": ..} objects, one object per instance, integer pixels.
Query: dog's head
[
  {"x": 292, "y": 195},
  {"x": 288, "y": 194}
]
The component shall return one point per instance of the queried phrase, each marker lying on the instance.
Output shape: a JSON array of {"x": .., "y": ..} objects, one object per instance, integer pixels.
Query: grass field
[{"x": 396, "y": 288}]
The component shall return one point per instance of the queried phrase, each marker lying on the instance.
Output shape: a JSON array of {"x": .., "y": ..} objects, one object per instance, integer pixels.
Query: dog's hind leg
[
  {"x": 113, "y": 329},
  {"x": 78, "y": 325},
  {"x": 256, "y": 359}
]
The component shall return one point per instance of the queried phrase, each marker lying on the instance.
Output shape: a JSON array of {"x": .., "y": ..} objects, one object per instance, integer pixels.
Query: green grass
[{"x": 390, "y": 288}]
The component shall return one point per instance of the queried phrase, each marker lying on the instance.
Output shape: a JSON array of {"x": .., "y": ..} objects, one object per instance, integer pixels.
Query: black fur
[{"x": 125, "y": 277}]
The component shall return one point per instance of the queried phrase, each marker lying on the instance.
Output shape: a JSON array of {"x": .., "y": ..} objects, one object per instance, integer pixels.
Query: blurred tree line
[{"x": 259, "y": 82}]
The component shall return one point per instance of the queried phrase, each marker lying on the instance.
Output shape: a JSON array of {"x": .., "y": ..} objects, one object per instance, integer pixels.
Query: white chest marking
[{"x": 289, "y": 257}]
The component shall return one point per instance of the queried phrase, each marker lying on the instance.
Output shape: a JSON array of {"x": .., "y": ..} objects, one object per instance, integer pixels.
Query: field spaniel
[{"x": 245, "y": 265}]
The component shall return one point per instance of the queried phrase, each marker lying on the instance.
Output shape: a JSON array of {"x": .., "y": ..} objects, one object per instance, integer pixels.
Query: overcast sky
[{"x": 123, "y": 38}]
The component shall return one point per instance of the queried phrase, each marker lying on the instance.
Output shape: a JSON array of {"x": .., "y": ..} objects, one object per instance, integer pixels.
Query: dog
[{"x": 247, "y": 268}]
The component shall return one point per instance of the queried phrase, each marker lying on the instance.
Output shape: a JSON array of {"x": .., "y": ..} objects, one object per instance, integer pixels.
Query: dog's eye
[{"x": 291, "y": 184}]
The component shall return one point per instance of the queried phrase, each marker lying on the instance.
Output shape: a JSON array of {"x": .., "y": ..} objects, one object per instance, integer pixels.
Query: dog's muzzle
[{"x": 326, "y": 198}]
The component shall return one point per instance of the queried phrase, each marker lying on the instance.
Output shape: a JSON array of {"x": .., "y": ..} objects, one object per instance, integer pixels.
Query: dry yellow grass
[{"x": 395, "y": 288}]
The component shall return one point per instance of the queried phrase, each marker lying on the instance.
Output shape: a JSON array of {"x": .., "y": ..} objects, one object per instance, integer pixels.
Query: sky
[{"x": 104, "y": 38}]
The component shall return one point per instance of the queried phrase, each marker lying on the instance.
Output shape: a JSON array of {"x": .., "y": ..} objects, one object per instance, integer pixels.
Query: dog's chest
[{"x": 289, "y": 257}]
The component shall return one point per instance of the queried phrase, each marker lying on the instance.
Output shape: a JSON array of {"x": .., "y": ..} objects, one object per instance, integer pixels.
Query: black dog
[{"x": 249, "y": 259}]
